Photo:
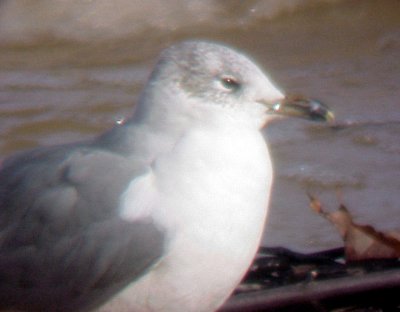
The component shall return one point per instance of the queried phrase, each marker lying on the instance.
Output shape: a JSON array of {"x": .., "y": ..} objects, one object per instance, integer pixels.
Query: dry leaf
[{"x": 361, "y": 242}]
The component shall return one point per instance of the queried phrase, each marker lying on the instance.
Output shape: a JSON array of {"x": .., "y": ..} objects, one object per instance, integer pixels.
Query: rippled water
[{"x": 67, "y": 75}]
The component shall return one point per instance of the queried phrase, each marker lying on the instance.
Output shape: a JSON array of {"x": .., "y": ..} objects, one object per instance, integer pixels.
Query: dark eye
[{"x": 230, "y": 83}]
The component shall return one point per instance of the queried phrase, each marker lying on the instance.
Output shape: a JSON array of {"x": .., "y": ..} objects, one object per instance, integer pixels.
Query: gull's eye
[{"x": 230, "y": 83}]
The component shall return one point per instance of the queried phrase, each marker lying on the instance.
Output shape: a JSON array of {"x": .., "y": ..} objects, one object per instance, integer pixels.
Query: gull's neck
[{"x": 155, "y": 129}]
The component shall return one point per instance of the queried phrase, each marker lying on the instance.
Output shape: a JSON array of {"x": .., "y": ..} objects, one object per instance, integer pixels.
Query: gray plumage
[{"x": 62, "y": 245}]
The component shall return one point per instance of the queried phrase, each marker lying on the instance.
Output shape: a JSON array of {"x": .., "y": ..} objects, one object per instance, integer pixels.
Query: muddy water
[{"x": 62, "y": 84}]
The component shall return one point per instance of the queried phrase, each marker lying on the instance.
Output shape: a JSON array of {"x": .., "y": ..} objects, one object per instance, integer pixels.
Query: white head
[{"x": 200, "y": 79}]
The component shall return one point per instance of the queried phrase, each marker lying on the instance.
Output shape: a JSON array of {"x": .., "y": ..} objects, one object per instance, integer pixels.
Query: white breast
[{"x": 211, "y": 193}]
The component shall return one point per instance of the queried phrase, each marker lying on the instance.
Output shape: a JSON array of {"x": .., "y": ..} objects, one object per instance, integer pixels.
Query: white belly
[{"x": 213, "y": 206}]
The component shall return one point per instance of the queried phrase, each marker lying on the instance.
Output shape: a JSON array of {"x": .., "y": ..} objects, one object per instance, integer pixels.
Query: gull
[{"x": 165, "y": 211}]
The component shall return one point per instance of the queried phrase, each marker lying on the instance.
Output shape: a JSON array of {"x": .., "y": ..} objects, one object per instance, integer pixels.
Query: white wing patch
[{"x": 138, "y": 200}]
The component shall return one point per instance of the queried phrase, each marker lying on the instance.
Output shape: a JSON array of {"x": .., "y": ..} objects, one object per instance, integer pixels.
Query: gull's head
[{"x": 201, "y": 79}]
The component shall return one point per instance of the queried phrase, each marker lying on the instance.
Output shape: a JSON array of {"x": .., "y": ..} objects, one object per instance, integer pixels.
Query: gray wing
[{"x": 62, "y": 245}]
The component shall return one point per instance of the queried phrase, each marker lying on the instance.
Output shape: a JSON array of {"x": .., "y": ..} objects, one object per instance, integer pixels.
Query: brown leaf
[{"x": 361, "y": 242}]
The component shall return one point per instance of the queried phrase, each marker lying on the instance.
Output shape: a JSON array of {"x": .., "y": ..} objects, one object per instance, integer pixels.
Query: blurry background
[{"x": 70, "y": 69}]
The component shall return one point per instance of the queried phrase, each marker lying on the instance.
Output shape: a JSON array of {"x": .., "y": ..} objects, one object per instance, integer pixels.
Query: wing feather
[{"x": 63, "y": 245}]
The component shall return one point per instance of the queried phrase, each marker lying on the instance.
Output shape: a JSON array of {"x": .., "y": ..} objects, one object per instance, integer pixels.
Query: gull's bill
[{"x": 302, "y": 107}]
